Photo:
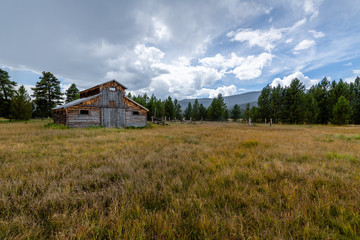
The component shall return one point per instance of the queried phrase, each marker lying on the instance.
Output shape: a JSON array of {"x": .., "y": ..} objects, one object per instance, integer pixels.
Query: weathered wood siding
[
  {"x": 134, "y": 120},
  {"x": 112, "y": 117},
  {"x": 59, "y": 116},
  {"x": 75, "y": 119},
  {"x": 131, "y": 119},
  {"x": 112, "y": 106}
]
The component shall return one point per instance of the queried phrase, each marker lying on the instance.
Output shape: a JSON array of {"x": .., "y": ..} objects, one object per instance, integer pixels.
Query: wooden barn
[{"x": 103, "y": 105}]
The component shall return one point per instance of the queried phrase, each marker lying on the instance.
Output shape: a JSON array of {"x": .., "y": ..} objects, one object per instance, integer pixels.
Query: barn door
[{"x": 113, "y": 117}]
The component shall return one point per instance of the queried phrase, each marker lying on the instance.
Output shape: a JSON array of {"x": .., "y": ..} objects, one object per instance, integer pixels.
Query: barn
[{"x": 103, "y": 105}]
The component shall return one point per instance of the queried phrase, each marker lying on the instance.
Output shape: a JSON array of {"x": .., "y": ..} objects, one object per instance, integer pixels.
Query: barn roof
[
  {"x": 103, "y": 84},
  {"x": 75, "y": 102},
  {"x": 136, "y": 103}
]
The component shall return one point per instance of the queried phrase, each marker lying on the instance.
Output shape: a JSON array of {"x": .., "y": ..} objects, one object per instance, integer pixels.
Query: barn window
[
  {"x": 135, "y": 113},
  {"x": 112, "y": 103},
  {"x": 112, "y": 89},
  {"x": 84, "y": 112}
]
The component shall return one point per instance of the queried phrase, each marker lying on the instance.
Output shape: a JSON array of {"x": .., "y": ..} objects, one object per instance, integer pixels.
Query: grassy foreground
[{"x": 210, "y": 181}]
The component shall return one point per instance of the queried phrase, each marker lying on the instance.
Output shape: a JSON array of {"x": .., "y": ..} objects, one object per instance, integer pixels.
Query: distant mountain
[{"x": 240, "y": 99}]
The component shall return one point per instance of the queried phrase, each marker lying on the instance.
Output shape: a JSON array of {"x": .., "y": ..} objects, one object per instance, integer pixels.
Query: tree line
[
  {"x": 217, "y": 111},
  {"x": 326, "y": 102},
  {"x": 17, "y": 104}
]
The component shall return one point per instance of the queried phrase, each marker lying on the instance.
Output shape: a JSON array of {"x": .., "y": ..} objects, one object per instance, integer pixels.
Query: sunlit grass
[{"x": 216, "y": 180}]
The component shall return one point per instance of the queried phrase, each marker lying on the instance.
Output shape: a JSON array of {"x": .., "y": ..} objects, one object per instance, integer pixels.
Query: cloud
[
  {"x": 303, "y": 45},
  {"x": 317, "y": 34},
  {"x": 311, "y": 7},
  {"x": 285, "y": 82},
  {"x": 252, "y": 66},
  {"x": 243, "y": 68},
  {"x": 261, "y": 38},
  {"x": 212, "y": 93},
  {"x": 266, "y": 39},
  {"x": 356, "y": 71}
]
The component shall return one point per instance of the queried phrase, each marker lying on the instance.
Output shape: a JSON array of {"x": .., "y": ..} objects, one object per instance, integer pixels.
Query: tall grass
[{"x": 210, "y": 181}]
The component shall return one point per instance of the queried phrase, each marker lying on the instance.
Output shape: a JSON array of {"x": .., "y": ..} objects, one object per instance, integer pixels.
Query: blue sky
[{"x": 184, "y": 49}]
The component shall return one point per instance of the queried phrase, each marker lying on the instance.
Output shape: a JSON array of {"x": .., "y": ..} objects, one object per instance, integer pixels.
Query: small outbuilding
[{"x": 103, "y": 105}]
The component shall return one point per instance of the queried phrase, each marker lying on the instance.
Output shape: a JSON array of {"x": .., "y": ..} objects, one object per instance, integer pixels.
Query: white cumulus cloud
[
  {"x": 243, "y": 68},
  {"x": 285, "y": 82},
  {"x": 212, "y": 93}
]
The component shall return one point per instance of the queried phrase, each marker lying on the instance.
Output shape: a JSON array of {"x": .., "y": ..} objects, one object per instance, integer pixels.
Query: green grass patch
[
  {"x": 56, "y": 126},
  {"x": 349, "y": 157}
]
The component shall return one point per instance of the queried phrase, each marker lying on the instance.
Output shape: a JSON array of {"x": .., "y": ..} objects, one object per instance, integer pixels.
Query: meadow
[{"x": 209, "y": 181}]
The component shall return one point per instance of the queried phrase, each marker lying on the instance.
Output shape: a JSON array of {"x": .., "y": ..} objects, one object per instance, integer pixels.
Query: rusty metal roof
[{"x": 75, "y": 102}]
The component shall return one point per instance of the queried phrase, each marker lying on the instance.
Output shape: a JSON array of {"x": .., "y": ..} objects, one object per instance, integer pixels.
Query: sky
[{"x": 182, "y": 49}]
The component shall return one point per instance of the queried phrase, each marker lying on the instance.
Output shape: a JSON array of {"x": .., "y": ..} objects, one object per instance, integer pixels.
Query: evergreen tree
[
  {"x": 7, "y": 91},
  {"x": 341, "y": 111},
  {"x": 188, "y": 111},
  {"x": 72, "y": 93},
  {"x": 217, "y": 108},
  {"x": 195, "y": 111},
  {"x": 311, "y": 109},
  {"x": 254, "y": 114},
  {"x": 151, "y": 105},
  {"x": 320, "y": 93},
  {"x": 355, "y": 100},
  {"x": 264, "y": 103},
  {"x": 21, "y": 106},
  {"x": 178, "y": 114},
  {"x": 247, "y": 112},
  {"x": 47, "y": 94},
  {"x": 294, "y": 102},
  {"x": 337, "y": 90},
  {"x": 169, "y": 108},
  {"x": 276, "y": 101},
  {"x": 226, "y": 115},
  {"x": 235, "y": 113},
  {"x": 202, "y": 112}
]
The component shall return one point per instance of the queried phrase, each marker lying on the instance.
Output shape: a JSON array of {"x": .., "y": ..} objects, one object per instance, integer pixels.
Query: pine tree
[
  {"x": 355, "y": 100},
  {"x": 311, "y": 109},
  {"x": 72, "y": 93},
  {"x": 202, "y": 112},
  {"x": 188, "y": 111},
  {"x": 264, "y": 103},
  {"x": 47, "y": 94},
  {"x": 341, "y": 111},
  {"x": 169, "y": 108},
  {"x": 7, "y": 91},
  {"x": 321, "y": 95},
  {"x": 247, "y": 112},
  {"x": 276, "y": 101},
  {"x": 217, "y": 108},
  {"x": 235, "y": 113},
  {"x": 21, "y": 106},
  {"x": 294, "y": 101},
  {"x": 178, "y": 114},
  {"x": 195, "y": 111}
]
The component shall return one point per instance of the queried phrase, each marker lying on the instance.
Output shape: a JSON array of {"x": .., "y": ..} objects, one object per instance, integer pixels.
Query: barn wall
[
  {"x": 75, "y": 119},
  {"x": 59, "y": 116},
  {"x": 132, "y": 120}
]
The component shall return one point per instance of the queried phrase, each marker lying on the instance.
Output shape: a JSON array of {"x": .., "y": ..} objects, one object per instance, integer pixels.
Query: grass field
[{"x": 210, "y": 181}]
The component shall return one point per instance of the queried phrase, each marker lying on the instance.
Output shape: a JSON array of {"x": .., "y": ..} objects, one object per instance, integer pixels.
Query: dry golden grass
[{"x": 211, "y": 181}]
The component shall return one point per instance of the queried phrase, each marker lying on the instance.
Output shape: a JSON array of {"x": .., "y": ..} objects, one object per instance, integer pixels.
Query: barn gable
[{"x": 102, "y": 105}]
